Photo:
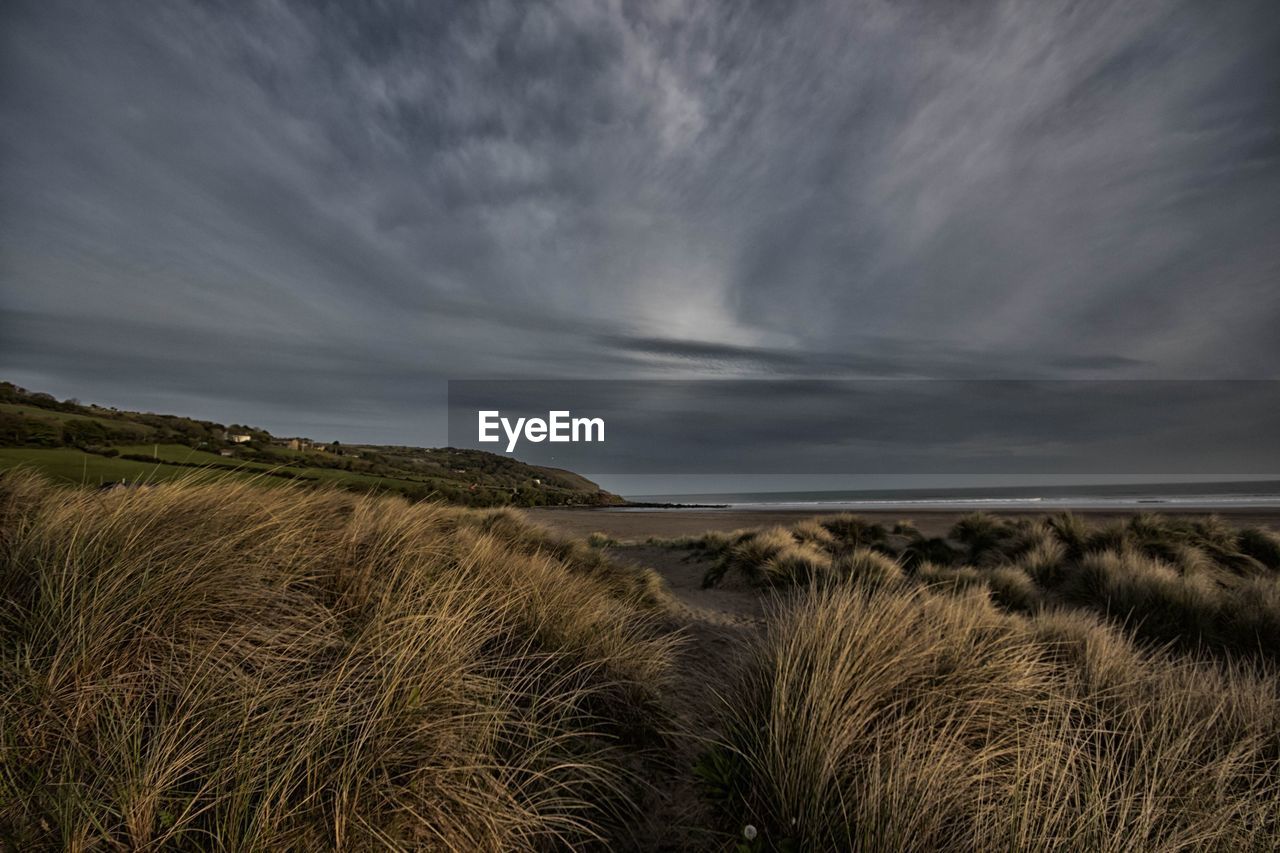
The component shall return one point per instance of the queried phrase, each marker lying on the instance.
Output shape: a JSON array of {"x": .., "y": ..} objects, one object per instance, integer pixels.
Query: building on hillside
[{"x": 240, "y": 438}]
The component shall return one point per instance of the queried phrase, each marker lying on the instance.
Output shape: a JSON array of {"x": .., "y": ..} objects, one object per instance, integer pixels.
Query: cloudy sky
[{"x": 308, "y": 216}]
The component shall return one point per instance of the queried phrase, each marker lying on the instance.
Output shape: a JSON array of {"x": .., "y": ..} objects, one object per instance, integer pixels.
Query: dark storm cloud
[
  {"x": 882, "y": 357},
  {"x": 310, "y": 215}
]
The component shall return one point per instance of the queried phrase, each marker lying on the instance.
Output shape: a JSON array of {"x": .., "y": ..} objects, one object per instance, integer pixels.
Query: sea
[{"x": 1154, "y": 497}]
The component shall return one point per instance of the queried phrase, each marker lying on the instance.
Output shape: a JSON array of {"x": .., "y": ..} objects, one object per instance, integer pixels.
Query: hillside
[{"x": 94, "y": 445}]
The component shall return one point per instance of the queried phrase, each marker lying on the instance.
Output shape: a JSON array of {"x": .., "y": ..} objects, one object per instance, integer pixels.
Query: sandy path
[
  {"x": 723, "y": 605},
  {"x": 717, "y": 625}
]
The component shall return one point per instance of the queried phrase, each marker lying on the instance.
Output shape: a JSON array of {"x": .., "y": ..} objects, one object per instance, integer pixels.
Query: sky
[{"x": 309, "y": 216}]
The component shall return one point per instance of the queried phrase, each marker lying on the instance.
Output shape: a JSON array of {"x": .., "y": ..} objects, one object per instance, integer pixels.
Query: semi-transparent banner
[{"x": 874, "y": 426}]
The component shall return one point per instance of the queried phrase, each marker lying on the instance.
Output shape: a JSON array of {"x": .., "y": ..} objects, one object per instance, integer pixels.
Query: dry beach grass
[
  {"x": 229, "y": 667},
  {"x": 220, "y": 666},
  {"x": 905, "y": 720}
]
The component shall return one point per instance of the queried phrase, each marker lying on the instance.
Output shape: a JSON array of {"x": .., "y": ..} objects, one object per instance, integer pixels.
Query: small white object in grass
[{"x": 749, "y": 832}]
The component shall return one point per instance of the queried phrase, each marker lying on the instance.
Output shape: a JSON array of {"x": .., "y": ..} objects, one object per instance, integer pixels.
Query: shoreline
[{"x": 634, "y": 524}]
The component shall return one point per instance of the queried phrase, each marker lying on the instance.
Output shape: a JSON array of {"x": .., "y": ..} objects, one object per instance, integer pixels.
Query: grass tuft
[
  {"x": 187, "y": 666},
  {"x": 910, "y": 721}
]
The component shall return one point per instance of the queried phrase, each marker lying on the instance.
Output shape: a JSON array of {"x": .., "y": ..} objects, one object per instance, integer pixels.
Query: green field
[
  {"x": 52, "y": 416},
  {"x": 69, "y": 465},
  {"x": 73, "y": 466},
  {"x": 184, "y": 455}
]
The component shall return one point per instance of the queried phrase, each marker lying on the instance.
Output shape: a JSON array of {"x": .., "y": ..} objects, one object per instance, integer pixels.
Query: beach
[{"x": 627, "y": 524}]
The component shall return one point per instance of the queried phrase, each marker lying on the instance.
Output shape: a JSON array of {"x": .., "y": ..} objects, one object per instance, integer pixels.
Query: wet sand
[{"x": 639, "y": 525}]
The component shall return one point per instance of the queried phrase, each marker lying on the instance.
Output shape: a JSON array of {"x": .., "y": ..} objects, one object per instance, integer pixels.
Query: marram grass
[
  {"x": 236, "y": 668},
  {"x": 224, "y": 667},
  {"x": 908, "y": 720}
]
